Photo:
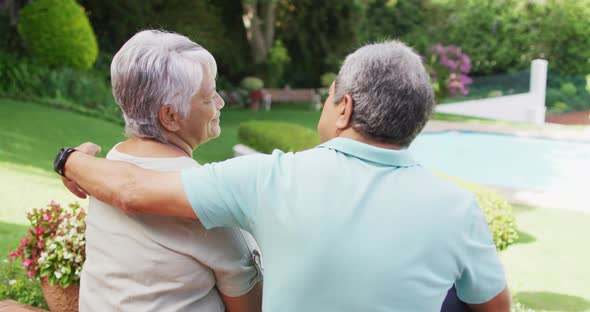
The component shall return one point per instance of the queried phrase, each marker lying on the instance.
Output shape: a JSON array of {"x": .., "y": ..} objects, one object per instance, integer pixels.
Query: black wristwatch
[{"x": 59, "y": 163}]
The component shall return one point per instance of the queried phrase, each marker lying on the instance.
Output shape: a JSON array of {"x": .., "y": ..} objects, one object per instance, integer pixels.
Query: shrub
[
  {"x": 265, "y": 136},
  {"x": 498, "y": 35},
  {"x": 58, "y": 33},
  {"x": 503, "y": 36},
  {"x": 252, "y": 83},
  {"x": 278, "y": 58},
  {"x": 566, "y": 93},
  {"x": 568, "y": 89},
  {"x": 327, "y": 79},
  {"x": 17, "y": 286},
  {"x": 76, "y": 89},
  {"x": 565, "y": 30},
  {"x": 55, "y": 244},
  {"x": 448, "y": 67},
  {"x": 497, "y": 210}
]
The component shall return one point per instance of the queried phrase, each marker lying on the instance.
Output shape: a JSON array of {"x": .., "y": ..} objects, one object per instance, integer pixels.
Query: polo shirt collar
[{"x": 398, "y": 158}]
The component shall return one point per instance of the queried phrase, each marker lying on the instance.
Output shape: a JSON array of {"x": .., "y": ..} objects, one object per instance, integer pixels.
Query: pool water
[{"x": 506, "y": 160}]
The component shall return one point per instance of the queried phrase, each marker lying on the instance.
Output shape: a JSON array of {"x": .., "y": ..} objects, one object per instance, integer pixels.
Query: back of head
[
  {"x": 391, "y": 91},
  {"x": 156, "y": 68}
]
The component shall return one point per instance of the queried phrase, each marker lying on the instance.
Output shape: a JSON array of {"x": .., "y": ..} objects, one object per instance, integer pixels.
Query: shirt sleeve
[
  {"x": 225, "y": 193},
  {"x": 231, "y": 256},
  {"x": 483, "y": 275}
]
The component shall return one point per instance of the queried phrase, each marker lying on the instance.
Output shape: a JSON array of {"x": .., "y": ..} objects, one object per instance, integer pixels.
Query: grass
[{"x": 547, "y": 269}]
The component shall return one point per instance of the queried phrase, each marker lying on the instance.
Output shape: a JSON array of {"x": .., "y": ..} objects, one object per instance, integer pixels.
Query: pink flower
[
  {"x": 39, "y": 230},
  {"x": 46, "y": 217},
  {"x": 40, "y": 244},
  {"x": 27, "y": 263},
  {"x": 13, "y": 255},
  {"x": 24, "y": 242},
  {"x": 31, "y": 273}
]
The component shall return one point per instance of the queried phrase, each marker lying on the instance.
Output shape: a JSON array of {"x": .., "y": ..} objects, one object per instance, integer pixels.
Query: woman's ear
[
  {"x": 169, "y": 118},
  {"x": 344, "y": 108}
]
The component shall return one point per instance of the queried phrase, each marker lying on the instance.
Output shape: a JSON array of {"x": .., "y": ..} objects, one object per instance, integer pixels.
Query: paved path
[{"x": 13, "y": 306}]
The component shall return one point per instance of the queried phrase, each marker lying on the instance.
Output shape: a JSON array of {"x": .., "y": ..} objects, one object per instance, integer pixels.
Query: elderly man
[{"x": 354, "y": 224}]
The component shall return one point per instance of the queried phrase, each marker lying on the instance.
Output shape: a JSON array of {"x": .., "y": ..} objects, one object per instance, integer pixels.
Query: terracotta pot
[{"x": 60, "y": 299}]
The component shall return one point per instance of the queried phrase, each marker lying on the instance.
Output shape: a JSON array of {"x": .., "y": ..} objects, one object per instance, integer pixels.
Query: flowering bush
[
  {"x": 16, "y": 285},
  {"x": 55, "y": 244},
  {"x": 448, "y": 67}
]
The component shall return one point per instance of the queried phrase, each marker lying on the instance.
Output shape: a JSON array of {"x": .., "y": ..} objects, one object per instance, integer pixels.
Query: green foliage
[
  {"x": 86, "y": 90},
  {"x": 216, "y": 25},
  {"x": 404, "y": 19},
  {"x": 568, "y": 89},
  {"x": 498, "y": 212},
  {"x": 564, "y": 29},
  {"x": 17, "y": 286},
  {"x": 278, "y": 58},
  {"x": 265, "y": 136},
  {"x": 252, "y": 83},
  {"x": 58, "y": 33},
  {"x": 318, "y": 37},
  {"x": 503, "y": 36},
  {"x": 566, "y": 93},
  {"x": 497, "y": 35},
  {"x": 327, "y": 79},
  {"x": 9, "y": 38}
]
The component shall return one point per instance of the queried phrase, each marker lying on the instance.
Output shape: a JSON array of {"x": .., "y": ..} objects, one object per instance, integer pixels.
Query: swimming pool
[{"x": 506, "y": 160}]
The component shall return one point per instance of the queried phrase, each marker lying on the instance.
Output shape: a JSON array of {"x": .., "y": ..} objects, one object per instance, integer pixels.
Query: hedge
[{"x": 265, "y": 136}]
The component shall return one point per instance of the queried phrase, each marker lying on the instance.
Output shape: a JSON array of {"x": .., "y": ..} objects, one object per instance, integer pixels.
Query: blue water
[{"x": 505, "y": 160}]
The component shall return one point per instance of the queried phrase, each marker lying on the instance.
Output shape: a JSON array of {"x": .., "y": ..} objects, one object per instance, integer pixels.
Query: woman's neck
[{"x": 141, "y": 147}]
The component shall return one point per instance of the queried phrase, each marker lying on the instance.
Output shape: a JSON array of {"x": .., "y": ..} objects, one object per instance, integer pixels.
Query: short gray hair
[
  {"x": 391, "y": 92},
  {"x": 156, "y": 68}
]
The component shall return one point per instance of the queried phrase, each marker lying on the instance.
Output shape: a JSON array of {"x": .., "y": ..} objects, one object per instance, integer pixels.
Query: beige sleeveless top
[{"x": 157, "y": 263}]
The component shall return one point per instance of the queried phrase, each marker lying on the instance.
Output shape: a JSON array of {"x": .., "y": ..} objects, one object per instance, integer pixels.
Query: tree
[{"x": 259, "y": 20}]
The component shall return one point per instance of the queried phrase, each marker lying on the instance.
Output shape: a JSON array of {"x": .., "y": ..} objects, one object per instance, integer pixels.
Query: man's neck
[{"x": 350, "y": 133}]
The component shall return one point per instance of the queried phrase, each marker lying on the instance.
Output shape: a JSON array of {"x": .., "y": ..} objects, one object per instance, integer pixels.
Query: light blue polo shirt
[{"x": 347, "y": 226}]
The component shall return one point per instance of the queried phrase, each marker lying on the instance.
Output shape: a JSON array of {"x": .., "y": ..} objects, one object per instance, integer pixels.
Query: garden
[{"x": 55, "y": 91}]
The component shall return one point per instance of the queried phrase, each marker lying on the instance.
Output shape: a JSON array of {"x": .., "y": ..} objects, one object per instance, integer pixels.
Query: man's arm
[
  {"x": 133, "y": 189},
  {"x": 500, "y": 303},
  {"x": 249, "y": 302}
]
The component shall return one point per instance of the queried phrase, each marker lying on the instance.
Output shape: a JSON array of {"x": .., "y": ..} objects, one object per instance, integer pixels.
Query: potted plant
[
  {"x": 54, "y": 251},
  {"x": 254, "y": 87}
]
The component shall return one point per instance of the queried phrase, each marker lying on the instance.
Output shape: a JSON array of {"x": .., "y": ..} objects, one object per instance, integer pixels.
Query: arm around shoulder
[{"x": 133, "y": 189}]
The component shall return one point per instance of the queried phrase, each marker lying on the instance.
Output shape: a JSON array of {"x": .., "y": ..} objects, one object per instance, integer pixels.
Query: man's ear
[
  {"x": 344, "y": 109},
  {"x": 169, "y": 118}
]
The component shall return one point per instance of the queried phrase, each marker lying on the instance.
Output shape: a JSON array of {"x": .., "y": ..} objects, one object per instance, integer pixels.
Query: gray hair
[
  {"x": 391, "y": 92},
  {"x": 156, "y": 68}
]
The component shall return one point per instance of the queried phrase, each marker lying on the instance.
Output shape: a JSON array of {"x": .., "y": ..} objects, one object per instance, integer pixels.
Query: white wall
[{"x": 525, "y": 107}]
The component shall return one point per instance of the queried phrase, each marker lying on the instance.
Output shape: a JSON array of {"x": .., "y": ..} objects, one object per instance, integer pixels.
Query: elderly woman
[{"x": 165, "y": 86}]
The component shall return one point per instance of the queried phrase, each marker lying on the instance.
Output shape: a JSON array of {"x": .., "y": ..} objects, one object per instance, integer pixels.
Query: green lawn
[{"x": 548, "y": 269}]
